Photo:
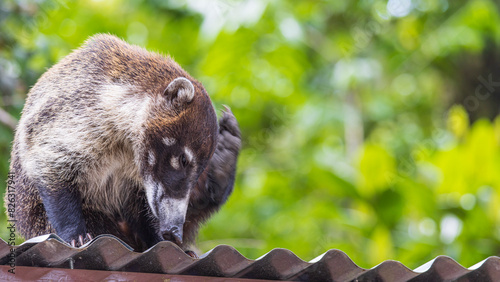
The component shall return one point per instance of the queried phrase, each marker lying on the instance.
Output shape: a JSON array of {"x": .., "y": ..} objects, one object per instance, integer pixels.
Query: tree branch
[{"x": 7, "y": 119}]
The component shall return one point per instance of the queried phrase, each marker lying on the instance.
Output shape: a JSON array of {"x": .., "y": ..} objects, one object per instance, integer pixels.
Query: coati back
[{"x": 117, "y": 140}]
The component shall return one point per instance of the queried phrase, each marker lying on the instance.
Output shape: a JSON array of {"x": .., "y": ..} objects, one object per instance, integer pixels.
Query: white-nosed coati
[{"x": 117, "y": 140}]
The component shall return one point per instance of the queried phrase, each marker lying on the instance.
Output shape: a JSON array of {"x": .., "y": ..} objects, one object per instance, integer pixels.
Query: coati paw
[
  {"x": 229, "y": 141},
  {"x": 81, "y": 240},
  {"x": 222, "y": 166},
  {"x": 229, "y": 125},
  {"x": 217, "y": 181},
  {"x": 191, "y": 254}
]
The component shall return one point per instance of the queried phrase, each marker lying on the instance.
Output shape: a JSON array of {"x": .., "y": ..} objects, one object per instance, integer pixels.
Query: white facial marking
[
  {"x": 169, "y": 141},
  {"x": 189, "y": 154},
  {"x": 151, "y": 158},
  {"x": 174, "y": 209},
  {"x": 150, "y": 187},
  {"x": 174, "y": 162}
]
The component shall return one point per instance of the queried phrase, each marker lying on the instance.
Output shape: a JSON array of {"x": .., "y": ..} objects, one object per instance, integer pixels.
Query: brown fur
[{"x": 90, "y": 147}]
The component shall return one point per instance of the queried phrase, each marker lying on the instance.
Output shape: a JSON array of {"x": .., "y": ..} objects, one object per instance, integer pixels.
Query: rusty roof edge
[
  {"x": 28, "y": 273},
  {"x": 107, "y": 252}
]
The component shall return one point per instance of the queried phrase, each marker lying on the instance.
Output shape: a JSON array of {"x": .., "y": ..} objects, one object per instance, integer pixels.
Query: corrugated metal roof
[{"x": 49, "y": 256}]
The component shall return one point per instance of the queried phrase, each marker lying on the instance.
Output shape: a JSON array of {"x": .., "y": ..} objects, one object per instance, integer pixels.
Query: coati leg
[
  {"x": 133, "y": 226},
  {"x": 217, "y": 180},
  {"x": 138, "y": 227},
  {"x": 64, "y": 211},
  {"x": 222, "y": 165}
]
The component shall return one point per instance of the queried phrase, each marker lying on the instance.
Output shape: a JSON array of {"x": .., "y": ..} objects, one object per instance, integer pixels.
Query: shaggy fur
[{"x": 118, "y": 140}]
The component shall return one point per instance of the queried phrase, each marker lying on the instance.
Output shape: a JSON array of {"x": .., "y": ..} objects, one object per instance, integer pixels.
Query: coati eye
[{"x": 183, "y": 161}]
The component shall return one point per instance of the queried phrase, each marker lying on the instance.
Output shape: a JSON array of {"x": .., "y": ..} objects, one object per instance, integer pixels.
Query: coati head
[{"x": 180, "y": 137}]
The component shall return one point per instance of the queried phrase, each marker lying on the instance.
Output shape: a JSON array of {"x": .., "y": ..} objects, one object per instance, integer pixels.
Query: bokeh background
[{"x": 368, "y": 126}]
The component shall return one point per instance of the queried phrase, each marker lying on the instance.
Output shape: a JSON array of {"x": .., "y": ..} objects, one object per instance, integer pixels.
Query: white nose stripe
[
  {"x": 174, "y": 209},
  {"x": 150, "y": 187},
  {"x": 189, "y": 154},
  {"x": 151, "y": 158}
]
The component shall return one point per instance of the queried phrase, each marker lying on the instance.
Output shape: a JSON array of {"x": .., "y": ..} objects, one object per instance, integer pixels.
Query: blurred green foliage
[{"x": 369, "y": 126}]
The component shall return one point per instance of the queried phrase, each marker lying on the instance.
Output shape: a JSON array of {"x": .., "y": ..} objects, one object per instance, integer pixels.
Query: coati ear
[{"x": 180, "y": 91}]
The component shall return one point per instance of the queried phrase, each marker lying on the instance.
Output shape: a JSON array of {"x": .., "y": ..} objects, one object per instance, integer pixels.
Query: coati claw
[
  {"x": 228, "y": 109},
  {"x": 81, "y": 240},
  {"x": 191, "y": 254}
]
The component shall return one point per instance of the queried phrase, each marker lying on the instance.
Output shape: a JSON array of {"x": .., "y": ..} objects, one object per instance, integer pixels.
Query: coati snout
[
  {"x": 117, "y": 140},
  {"x": 179, "y": 149}
]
